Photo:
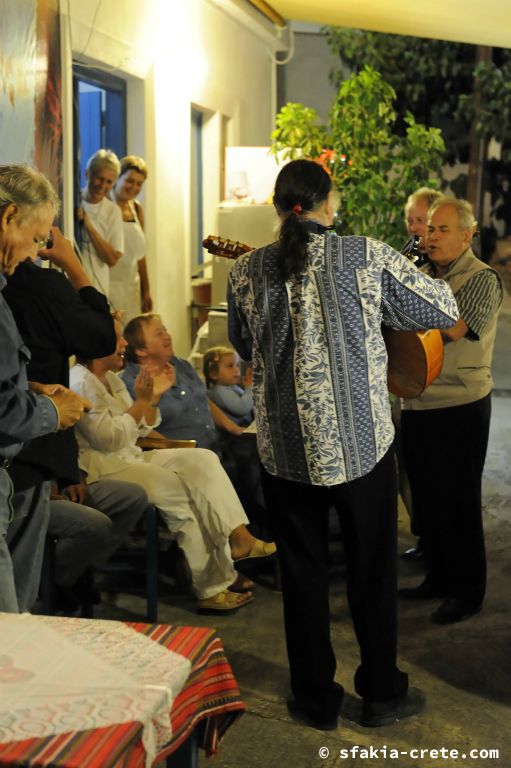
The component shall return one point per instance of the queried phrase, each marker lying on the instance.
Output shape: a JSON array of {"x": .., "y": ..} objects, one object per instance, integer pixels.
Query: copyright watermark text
[{"x": 419, "y": 753}]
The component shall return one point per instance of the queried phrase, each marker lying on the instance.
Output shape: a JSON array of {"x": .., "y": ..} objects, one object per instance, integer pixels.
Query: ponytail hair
[{"x": 300, "y": 187}]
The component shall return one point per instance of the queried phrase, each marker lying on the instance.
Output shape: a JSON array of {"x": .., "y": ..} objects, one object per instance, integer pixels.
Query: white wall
[
  {"x": 305, "y": 79},
  {"x": 176, "y": 54}
]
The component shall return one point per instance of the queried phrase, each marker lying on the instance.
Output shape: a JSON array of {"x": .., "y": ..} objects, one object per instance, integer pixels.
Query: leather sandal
[
  {"x": 259, "y": 549},
  {"x": 242, "y": 584},
  {"x": 224, "y": 602}
]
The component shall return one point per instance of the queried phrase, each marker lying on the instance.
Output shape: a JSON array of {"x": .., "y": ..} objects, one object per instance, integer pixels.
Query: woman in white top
[
  {"x": 129, "y": 281},
  {"x": 190, "y": 488},
  {"x": 101, "y": 236}
]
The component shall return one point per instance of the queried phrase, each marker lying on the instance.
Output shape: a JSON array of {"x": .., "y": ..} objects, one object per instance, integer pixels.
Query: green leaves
[
  {"x": 426, "y": 74},
  {"x": 440, "y": 83},
  {"x": 493, "y": 119},
  {"x": 374, "y": 167},
  {"x": 297, "y": 134}
]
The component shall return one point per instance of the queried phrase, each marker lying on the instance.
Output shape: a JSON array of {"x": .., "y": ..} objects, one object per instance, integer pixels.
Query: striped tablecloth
[{"x": 211, "y": 694}]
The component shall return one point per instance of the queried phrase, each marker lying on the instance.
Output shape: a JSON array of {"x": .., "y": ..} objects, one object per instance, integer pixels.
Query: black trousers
[
  {"x": 239, "y": 457},
  {"x": 367, "y": 511},
  {"x": 445, "y": 450}
]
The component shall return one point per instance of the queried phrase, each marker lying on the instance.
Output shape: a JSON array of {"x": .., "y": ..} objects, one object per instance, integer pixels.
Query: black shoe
[
  {"x": 86, "y": 592},
  {"x": 413, "y": 555},
  {"x": 307, "y": 715},
  {"x": 66, "y": 601},
  {"x": 377, "y": 713},
  {"x": 424, "y": 591},
  {"x": 453, "y": 610}
]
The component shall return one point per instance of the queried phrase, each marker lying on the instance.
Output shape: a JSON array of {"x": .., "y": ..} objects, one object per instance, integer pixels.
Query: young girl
[
  {"x": 226, "y": 387},
  {"x": 232, "y": 393}
]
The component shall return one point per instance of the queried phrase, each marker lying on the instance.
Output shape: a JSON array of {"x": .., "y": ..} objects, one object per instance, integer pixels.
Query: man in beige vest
[{"x": 445, "y": 430}]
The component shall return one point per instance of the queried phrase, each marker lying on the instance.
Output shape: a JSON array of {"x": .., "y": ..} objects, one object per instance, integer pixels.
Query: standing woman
[
  {"x": 129, "y": 281},
  {"x": 307, "y": 310},
  {"x": 101, "y": 235}
]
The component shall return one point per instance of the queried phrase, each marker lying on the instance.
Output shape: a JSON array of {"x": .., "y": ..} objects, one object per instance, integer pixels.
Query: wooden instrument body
[{"x": 415, "y": 360}]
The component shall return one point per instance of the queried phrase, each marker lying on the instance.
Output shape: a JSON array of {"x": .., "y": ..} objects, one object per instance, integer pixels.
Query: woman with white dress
[
  {"x": 129, "y": 281},
  {"x": 191, "y": 490}
]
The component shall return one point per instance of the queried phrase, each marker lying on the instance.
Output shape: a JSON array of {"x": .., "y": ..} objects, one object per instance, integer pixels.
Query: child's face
[{"x": 228, "y": 371}]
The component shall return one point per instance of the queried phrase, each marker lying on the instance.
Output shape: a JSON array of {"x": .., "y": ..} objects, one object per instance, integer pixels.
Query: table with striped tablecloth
[{"x": 201, "y": 691}]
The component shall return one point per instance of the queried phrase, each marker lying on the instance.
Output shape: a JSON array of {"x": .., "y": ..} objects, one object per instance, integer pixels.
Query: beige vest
[{"x": 466, "y": 372}]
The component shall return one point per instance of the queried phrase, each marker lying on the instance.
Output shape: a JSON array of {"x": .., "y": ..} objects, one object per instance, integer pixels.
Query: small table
[{"x": 209, "y": 697}]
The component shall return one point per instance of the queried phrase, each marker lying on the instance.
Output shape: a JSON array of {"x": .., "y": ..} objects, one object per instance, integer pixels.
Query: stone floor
[{"x": 464, "y": 669}]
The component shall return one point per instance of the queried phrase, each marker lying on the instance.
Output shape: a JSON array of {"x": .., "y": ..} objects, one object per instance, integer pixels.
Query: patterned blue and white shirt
[{"x": 320, "y": 362}]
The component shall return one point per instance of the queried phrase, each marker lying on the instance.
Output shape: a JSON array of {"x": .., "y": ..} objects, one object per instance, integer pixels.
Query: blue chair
[{"x": 152, "y": 545}]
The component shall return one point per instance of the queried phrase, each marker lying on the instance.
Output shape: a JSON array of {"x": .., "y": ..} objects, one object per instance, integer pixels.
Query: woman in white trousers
[{"x": 189, "y": 487}]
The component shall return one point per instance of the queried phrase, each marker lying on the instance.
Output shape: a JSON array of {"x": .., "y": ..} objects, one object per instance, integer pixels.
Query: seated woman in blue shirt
[{"x": 188, "y": 414}]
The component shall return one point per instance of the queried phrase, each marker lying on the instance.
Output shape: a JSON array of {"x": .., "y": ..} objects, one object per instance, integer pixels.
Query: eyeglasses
[{"x": 46, "y": 242}]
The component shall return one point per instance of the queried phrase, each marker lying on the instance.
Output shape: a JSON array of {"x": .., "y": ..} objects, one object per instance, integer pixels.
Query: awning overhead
[{"x": 482, "y": 22}]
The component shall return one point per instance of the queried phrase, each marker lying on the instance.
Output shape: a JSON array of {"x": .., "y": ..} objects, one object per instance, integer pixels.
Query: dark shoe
[
  {"x": 69, "y": 600},
  {"x": 66, "y": 601},
  {"x": 377, "y": 713},
  {"x": 425, "y": 591},
  {"x": 305, "y": 714},
  {"x": 413, "y": 555},
  {"x": 86, "y": 592},
  {"x": 453, "y": 610}
]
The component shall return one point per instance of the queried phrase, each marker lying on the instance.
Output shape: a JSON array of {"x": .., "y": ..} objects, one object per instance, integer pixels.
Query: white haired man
[
  {"x": 445, "y": 430},
  {"x": 28, "y": 205},
  {"x": 416, "y": 215}
]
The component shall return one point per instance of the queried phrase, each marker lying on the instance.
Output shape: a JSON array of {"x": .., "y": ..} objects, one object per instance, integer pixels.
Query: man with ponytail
[{"x": 307, "y": 311}]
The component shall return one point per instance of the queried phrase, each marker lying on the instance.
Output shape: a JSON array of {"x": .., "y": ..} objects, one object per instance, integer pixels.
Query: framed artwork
[{"x": 31, "y": 85}]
